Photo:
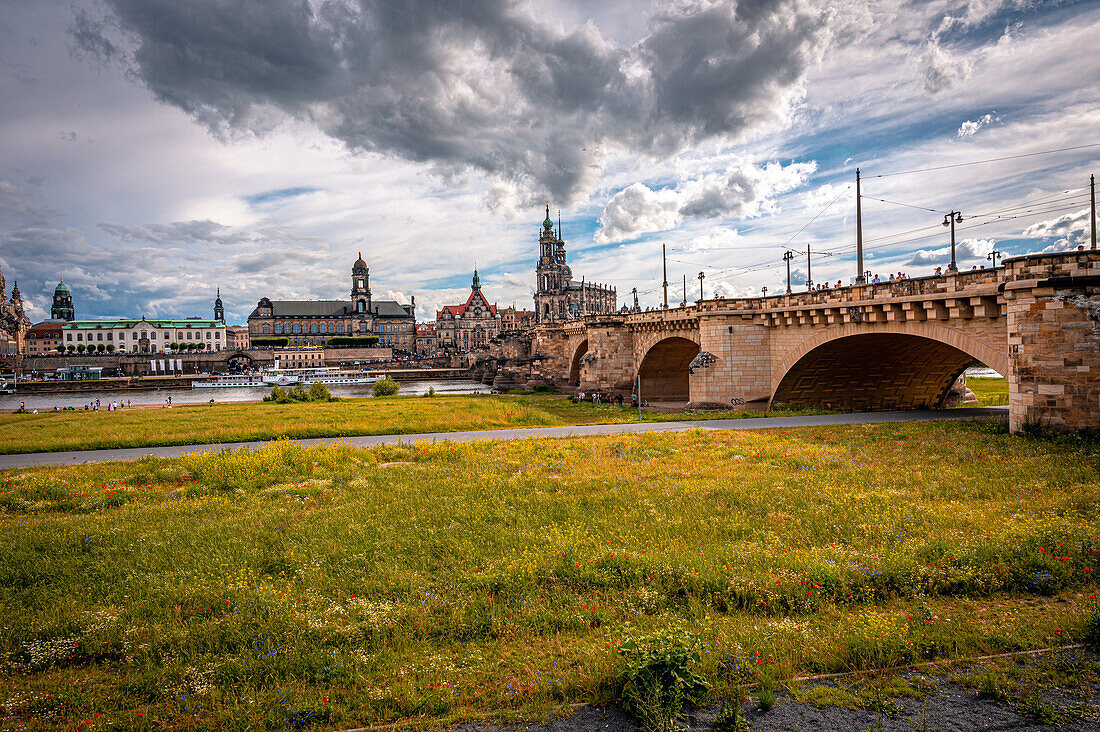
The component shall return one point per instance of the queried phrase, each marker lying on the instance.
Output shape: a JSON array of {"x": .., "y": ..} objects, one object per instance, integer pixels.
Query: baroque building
[
  {"x": 559, "y": 297},
  {"x": 469, "y": 325},
  {"x": 13, "y": 322},
  {"x": 143, "y": 335},
  {"x": 313, "y": 322}
]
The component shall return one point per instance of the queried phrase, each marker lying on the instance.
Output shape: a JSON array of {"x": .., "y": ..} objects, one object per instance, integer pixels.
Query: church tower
[
  {"x": 552, "y": 275},
  {"x": 219, "y": 310},
  {"x": 360, "y": 286},
  {"x": 62, "y": 303}
]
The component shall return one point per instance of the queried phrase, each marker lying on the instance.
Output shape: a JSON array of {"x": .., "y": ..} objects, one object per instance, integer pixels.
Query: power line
[
  {"x": 907, "y": 205},
  {"x": 988, "y": 160},
  {"x": 815, "y": 216}
]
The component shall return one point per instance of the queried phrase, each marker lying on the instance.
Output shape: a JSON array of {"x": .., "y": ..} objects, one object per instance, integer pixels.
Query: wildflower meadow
[{"x": 423, "y": 585}]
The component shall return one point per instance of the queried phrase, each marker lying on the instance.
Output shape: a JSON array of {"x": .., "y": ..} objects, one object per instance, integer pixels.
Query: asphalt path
[{"x": 77, "y": 457}]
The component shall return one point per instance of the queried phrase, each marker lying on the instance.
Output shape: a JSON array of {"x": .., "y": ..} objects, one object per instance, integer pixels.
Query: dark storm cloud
[{"x": 476, "y": 85}]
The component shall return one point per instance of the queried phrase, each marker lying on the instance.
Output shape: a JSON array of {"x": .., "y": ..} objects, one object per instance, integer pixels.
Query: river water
[{"x": 234, "y": 394}]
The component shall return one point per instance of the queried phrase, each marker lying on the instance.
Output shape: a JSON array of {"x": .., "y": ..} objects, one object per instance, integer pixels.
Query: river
[{"x": 236, "y": 394}]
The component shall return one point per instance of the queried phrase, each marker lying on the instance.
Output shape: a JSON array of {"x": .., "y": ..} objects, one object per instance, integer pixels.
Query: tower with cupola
[
  {"x": 62, "y": 308},
  {"x": 360, "y": 286}
]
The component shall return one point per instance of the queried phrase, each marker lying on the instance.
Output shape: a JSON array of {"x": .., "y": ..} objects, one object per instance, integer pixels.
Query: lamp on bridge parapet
[
  {"x": 701, "y": 276},
  {"x": 992, "y": 257},
  {"x": 950, "y": 220},
  {"x": 787, "y": 257}
]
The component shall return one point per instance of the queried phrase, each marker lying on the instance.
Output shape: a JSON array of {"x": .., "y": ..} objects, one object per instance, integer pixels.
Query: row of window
[
  {"x": 332, "y": 328},
  {"x": 388, "y": 341},
  {"x": 149, "y": 335}
]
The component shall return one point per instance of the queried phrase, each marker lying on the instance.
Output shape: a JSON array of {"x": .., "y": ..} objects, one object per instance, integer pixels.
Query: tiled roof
[
  {"x": 110, "y": 323},
  {"x": 460, "y": 310}
]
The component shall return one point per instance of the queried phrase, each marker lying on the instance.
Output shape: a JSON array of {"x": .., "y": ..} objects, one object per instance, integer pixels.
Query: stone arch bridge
[{"x": 894, "y": 345}]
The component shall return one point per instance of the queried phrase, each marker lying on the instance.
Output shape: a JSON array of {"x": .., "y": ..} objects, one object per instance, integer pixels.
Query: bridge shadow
[
  {"x": 874, "y": 372},
  {"x": 664, "y": 370}
]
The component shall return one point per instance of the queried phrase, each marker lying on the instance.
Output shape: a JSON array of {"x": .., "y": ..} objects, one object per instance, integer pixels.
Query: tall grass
[{"x": 343, "y": 587}]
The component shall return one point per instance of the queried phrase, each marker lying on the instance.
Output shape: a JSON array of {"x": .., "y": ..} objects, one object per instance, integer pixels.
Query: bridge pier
[
  {"x": 608, "y": 364},
  {"x": 733, "y": 367},
  {"x": 1054, "y": 342}
]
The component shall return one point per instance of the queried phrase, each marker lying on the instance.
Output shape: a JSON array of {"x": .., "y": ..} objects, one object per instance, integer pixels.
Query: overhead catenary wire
[{"x": 987, "y": 160}]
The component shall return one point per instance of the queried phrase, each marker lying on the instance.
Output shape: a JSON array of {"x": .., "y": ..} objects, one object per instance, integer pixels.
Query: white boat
[
  {"x": 227, "y": 382},
  {"x": 321, "y": 375}
]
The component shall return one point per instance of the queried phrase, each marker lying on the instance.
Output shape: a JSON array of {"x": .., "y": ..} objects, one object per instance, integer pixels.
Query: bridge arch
[
  {"x": 664, "y": 369},
  {"x": 880, "y": 369},
  {"x": 575, "y": 362}
]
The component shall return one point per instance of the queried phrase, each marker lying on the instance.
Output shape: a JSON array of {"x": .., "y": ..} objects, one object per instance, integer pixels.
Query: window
[
  {"x": 339, "y": 327},
  {"x": 312, "y": 327},
  {"x": 278, "y": 328},
  {"x": 99, "y": 336},
  {"x": 189, "y": 336},
  {"x": 218, "y": 335},
  {"x": 80, "y": 336},
  {"x": 362, "y": 327},
  {"x": 265, "y": 330}
]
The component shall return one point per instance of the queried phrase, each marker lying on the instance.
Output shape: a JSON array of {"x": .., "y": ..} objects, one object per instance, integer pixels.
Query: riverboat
[
  {"x": 309, "y": 376},
  {"x": 228, "y": 382}
]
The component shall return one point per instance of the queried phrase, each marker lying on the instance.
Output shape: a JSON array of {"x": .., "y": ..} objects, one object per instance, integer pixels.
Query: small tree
[
  {"x": 61, "y": 349},
  {"x": 386, "y": 387},
  {"x": 80, "y": 348},
  {"x": 100, "y": 347},
  {"x": 110, "y": 348},
  {"x": 318, "y": 392},
  {"x": 71, "y": 348},
  {"x": 174, "y": 346}
]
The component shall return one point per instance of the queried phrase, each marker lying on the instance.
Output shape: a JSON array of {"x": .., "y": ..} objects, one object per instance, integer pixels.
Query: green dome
[
  {"x": 61, "y": 287},
  {"x": 548, "y": 224}
]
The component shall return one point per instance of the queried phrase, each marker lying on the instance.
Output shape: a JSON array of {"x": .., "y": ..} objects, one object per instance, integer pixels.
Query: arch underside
[
  {"x": 575, "y": 363},
  {"x": 874, "y": 372},
  {"x": 664, "y": 370}
]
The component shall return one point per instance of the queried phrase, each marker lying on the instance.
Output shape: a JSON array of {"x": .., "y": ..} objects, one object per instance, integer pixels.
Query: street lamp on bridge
[
  {"x": 950, "y": 220},
  {"x": 701, "y": 276}
]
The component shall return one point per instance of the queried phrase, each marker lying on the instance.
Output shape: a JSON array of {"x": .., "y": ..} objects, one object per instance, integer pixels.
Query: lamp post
[
  {"x": 992, "y": 256},
  {"x": 701, "y": 276},
  {"x": 787, "y": 257},
  {"x": 950, "y": 220},
  {"x": 764, "y": 290}
]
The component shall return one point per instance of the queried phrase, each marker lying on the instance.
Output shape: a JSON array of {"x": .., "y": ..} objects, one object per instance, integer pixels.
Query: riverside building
[{"x": 313, "y": 322}]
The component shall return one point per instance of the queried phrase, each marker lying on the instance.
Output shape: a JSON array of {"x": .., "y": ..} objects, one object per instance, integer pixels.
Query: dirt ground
[{"x": 951, "y": 708}]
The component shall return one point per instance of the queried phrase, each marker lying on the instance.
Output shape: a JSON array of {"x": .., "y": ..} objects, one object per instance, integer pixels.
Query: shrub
[
  {"x": 352, "y": 341},
  {"x": 1092, "y": 630},
  {"x": 110, "y": 348},
  {"x": 660, "y": 675},
  {"x": 386, "y": 387},
  {"x": 318, "y": 392},
  {"x": 270, "y": 342}
]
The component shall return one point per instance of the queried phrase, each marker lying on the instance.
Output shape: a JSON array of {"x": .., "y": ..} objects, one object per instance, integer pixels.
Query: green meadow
[{"x": 423, "y": 585}]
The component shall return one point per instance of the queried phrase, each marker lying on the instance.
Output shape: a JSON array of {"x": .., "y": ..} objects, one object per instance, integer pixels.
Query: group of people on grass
[{"x": 597, "y": 397}]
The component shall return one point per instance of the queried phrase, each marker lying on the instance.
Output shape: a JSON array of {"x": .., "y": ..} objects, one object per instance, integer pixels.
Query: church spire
[
  {"x": 548, "y": 223},
  {"x": 476, "y": 284}
]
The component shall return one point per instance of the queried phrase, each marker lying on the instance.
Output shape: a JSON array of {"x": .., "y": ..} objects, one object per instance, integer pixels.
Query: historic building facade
[
  {"x": 43, "y": 338},
  {"x": 143, "y": 335},
  {"x": 513, "y": 319},
  {"x": 313, "y": 322},
  {"x": 469, "y": 325},
  {"x": 559, "y": 297},
  {"x": 427, "y": 341},
  {"x": 13, "y": 322}
]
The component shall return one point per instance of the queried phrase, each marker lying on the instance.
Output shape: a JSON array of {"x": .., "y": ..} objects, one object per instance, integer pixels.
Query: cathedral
[
  {"x": 13, "y": 323},
  {"x": 312, "y": 322},
  {"x": 559, "y": 297}
]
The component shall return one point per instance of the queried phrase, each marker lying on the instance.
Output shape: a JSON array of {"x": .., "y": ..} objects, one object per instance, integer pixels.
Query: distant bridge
[{"x": 890, "y": 345}]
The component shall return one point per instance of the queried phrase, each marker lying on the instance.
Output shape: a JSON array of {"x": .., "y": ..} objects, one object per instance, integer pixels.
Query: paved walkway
[{"x": 752, "y": 423}]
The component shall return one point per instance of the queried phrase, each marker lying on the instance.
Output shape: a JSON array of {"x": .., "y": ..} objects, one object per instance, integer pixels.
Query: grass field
[
  {"x": 427, "y": 584},
  {"x": 991, "y": 392},
  {"x": 240, "y": 422}
]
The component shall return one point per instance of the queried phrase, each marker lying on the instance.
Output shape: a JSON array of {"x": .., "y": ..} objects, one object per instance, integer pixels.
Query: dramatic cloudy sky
[{"x": 151, "y": 150}]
